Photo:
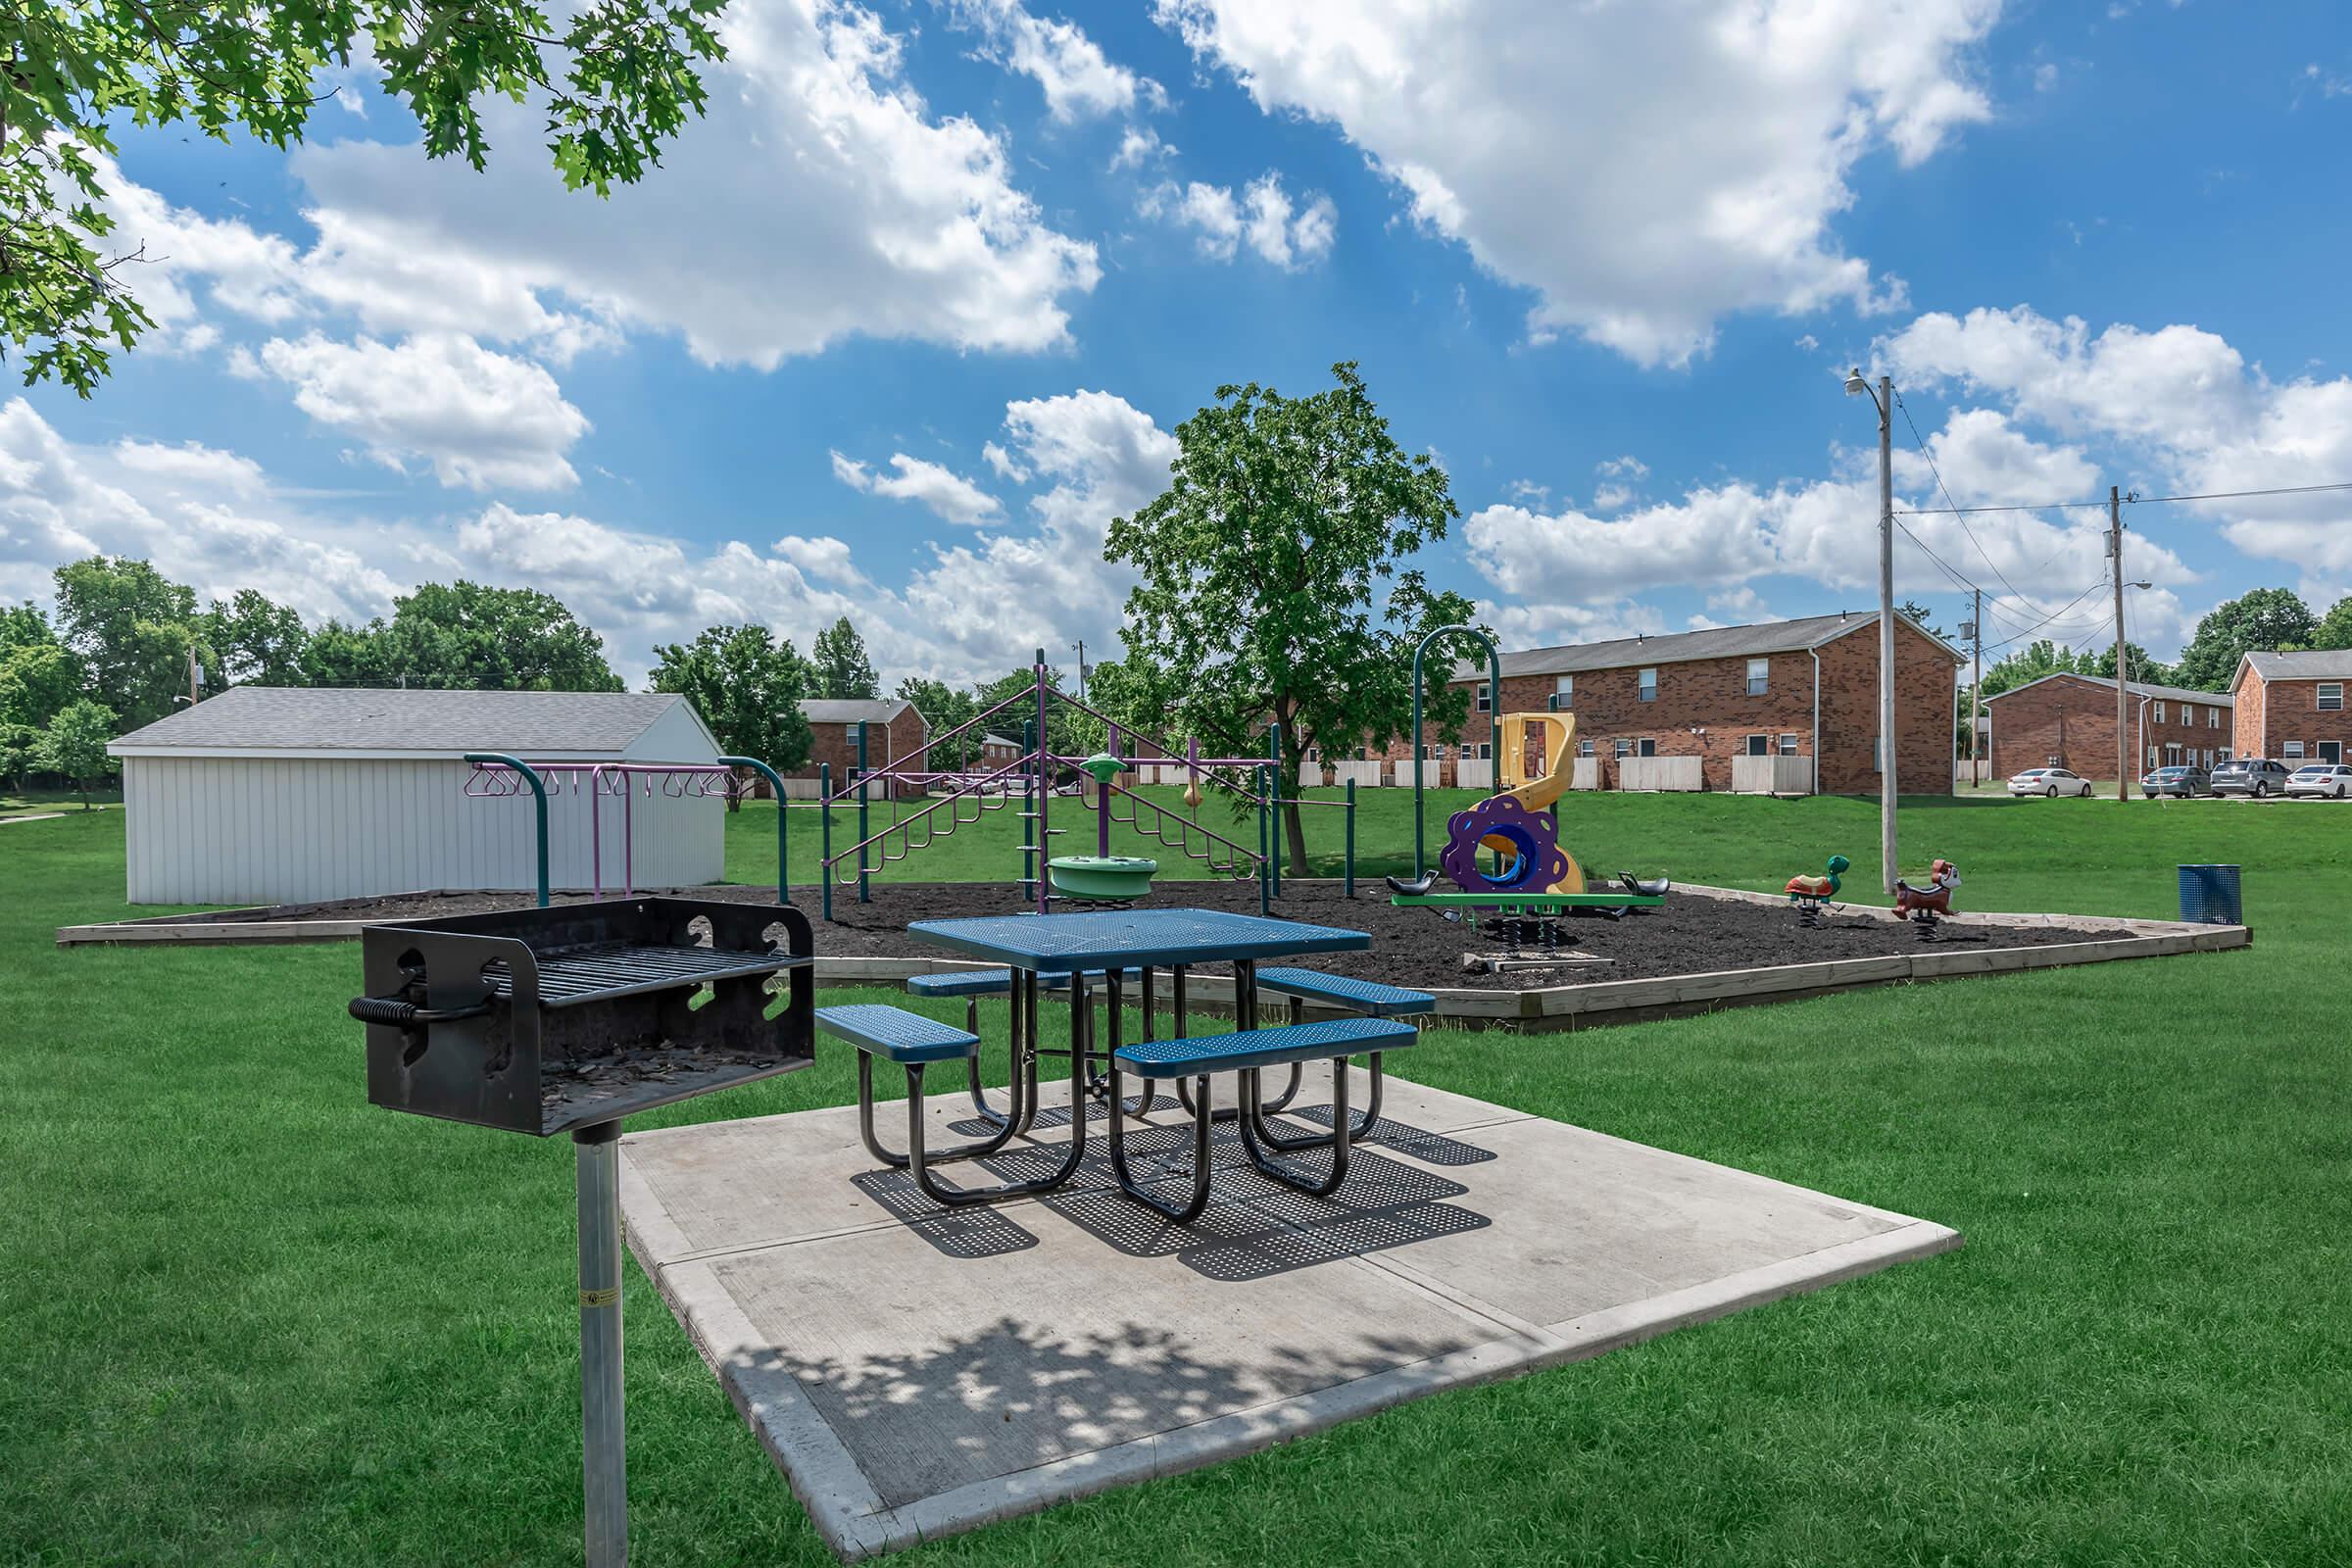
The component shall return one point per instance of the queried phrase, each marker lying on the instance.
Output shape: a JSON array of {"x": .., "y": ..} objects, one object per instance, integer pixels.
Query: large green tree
[
  {"x": 464, "y": 635},
  {"x": 2266, "y": 620},
  {"x": 614, "y": 80},
  {"x": 2032, "y": 663},
  {"x": 747, "y": 683},
  {"x": 2334, "y": 629},
  {"x": 944, "y": 708},
  {"x": 843, "y": 669},
  {"x": 38, "y": 675},
  {"x": 75, "y": 745},
  {"x": 1274, "y": 576},
  {"x": 258, "y": 642},
  {"x": 2144, "y": 666},
  {"x": 339, "y": 654},
  {"x": 133, "y": 629}
]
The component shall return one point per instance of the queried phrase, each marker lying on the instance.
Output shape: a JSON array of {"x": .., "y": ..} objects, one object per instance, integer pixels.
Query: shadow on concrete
[{"x": 1015, "y": 1394}]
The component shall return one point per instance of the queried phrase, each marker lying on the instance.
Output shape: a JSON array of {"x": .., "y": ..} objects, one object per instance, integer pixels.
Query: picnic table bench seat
[
  {"x": 1249, "y": 1048},
  {"x": 1246, "y": 1053},
  {"x": 914, "y": 1042},
  {"x": 1368, "y": 997}
]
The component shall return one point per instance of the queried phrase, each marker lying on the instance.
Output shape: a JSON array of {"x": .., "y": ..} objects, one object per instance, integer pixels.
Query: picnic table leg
[
  {"x": 958, "y": 1198},
  {"x": 1184, "y": 1212},
  {"x": 1025, "y": 988},
  {"x": 1256, "y": 1136},
  {"x": 1114, "y": 1009},
  {"x": 1357, "y": 1134},
  {"x": 914, "y": 1151},
  {"x": 1245, "y": 1016},
  {"x": 971, "y": 1022}
]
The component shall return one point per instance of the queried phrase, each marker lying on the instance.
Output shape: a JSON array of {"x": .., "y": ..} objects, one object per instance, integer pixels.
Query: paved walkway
[{"x": 917, "y": 1372}]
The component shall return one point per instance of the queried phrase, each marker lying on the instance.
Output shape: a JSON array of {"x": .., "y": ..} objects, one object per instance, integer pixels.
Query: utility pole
[
  {"x": 1975, "y": 686},
  {"x": 1887, "y": 849},
  {"x": 1883, "y": 397},
  {"x": 192, "y": 675},
  {"x": 1080, "y": 645},
  {"x": 2115, "y": 564}
]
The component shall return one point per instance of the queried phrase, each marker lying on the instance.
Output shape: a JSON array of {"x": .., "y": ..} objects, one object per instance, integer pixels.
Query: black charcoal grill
[
  {"x": 566, "y": 1019},
  {"x": 545, "y": 1021}
]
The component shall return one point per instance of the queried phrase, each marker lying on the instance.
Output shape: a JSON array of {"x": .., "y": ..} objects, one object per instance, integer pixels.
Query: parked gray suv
[{"x": 2255, "y": 776}]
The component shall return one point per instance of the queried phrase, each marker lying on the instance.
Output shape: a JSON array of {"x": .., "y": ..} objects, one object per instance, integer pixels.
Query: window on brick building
[
  {"x": 2332, "y": 695},
  {"x": 1485, "y": 697},
  {"x": 1647, "y": 681},
  {"x": 2189, "y": 712},
  {"x": 1563, "y": 689},
  {"x": 2291, "y": 752},
  {"x": 1485, "y": 751},
  {"x": 1759, "y": 676},
  {"x": 2213, "y": 718},
  {"x": 2207, "y": 764},
  {"x": 2151, "y": 757},
  {"x": 2159, "y": 712},
  {"x": 1760, "y": 745},
  {"x": 1649, "y": 747},
  {"x": 1623, "y": 748},
  {"x": 1787, "y": 745},
  {"x": 1584, "y": 748}
]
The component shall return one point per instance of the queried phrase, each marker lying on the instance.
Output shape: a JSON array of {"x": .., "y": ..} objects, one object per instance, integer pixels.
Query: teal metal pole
[
  {"x": 824, "y": 835},
  {"x": 776, "y": 786},
  {"x": 1045, "y": 790},
  {"x": 1265, "y": 904},
  {"x": 865, "y": 803},
  {"x": 1274, "y": 801},
  {"x": 1348, "y": 862},
  {"x": 1029, "y": 837},
  {"x": 1494, "y": 722},
  {"x": 539, "y": 798}
]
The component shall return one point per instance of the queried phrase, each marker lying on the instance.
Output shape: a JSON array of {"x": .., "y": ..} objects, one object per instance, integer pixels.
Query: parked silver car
[
  {"x": 2185, "y": 782},
  {"x": 2049, "y": 781},
  {"x": 2330, "y": 780},
  {"x": 2255, "y": 776}
]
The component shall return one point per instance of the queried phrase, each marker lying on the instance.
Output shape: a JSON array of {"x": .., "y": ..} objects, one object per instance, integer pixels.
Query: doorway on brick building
[{"x": 2331, "y": 751}]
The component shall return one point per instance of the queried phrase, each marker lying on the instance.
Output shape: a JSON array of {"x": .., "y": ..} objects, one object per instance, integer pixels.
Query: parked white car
[
  {"x": 2332, "y": 780},
  {"x": 2049, "y": 781}
]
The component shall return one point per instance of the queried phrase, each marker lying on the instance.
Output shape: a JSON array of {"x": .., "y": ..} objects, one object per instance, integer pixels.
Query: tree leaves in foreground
[
  {"x": 1274, "y": 577},
  {"x": 615, "y": 80},
  {"x": 747, "y": 683}
]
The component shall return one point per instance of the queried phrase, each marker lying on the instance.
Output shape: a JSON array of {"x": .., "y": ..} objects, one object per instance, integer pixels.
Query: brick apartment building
[
  {"x": 1804, "y": 689},
  {"x": 2068, "y": 721},
  {"x": 2291, "y": 706},
  {"x": 896, "y": 731}
]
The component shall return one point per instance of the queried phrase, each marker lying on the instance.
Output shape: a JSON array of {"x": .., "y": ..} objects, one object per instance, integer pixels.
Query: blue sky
[{"x": 914, "y": 311}]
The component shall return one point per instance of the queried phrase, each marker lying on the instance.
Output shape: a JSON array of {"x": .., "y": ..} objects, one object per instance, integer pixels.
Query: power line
[
  {"x": 2131, "y": 500},
  {"x": 2055, "y": 615},
  {"x": 1958, "y": 515}
]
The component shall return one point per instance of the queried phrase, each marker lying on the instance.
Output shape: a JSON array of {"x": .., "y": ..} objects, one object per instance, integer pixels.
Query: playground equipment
[
  {"x": 1031, "y": 782},
  {"x": 1807, "y": 893},
  {"x": 1924, "y": 908},
  {"x": 499, "y": 776}
]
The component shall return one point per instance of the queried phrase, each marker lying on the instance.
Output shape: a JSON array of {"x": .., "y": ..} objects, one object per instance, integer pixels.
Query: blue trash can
[{"x": 2209, "y": 895}]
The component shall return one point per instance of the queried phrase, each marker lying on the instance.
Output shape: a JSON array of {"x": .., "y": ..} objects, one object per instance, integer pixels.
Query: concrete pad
[{"x": 916, "y": 1372}]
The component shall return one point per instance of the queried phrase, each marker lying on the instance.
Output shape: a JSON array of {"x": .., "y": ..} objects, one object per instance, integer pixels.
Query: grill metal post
[{"x": 604, "y": 1462}]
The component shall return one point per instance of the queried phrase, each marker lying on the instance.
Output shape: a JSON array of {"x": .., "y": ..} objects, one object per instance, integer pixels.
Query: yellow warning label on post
[{"x": 603, "y": 1297}]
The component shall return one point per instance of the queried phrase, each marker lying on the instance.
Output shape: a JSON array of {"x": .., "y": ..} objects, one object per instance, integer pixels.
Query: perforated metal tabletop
[{"x": 1059, "y": 943}]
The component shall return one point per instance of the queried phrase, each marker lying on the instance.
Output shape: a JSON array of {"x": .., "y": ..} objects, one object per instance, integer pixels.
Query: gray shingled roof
[
  {"x": 364, "y": 720},
  {"x": 2318, "y": 664},
  {"x": 2137, "y": 688},
  {"x": 1676, "y": 648},
  {"x": 852, "y": 709}
]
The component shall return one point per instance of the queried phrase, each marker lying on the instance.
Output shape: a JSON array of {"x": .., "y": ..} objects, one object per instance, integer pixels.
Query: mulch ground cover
[{"x": 1690, "y": 933}]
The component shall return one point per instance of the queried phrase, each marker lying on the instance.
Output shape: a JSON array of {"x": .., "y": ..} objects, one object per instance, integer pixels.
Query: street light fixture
[{"x": 1882, "y": 398}]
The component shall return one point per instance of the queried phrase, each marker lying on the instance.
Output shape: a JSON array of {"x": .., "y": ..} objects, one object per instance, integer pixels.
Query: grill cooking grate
[{"x": 604, "y": 973}]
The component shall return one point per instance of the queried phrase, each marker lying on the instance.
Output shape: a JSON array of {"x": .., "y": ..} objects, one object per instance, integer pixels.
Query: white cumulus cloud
[
  {"x": 1262, "y": 217},
  {"x": 1645, "y": 169},
  {"x": 949, "y": 493}
]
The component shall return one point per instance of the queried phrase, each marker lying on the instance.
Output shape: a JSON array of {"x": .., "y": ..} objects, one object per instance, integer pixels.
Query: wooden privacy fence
[{"x": 1772, "y": 775}]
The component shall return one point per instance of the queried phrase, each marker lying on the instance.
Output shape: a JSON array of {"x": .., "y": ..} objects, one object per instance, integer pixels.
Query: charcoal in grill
[{"x": 546, "y": 1020}]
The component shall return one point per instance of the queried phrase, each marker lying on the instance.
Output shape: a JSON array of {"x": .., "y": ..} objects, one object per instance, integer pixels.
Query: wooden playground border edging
[{"x": 1540, "y": 1010}]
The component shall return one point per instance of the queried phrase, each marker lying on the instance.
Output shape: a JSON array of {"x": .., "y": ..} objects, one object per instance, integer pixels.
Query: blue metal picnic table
[{"x": 1106, "y": 943}]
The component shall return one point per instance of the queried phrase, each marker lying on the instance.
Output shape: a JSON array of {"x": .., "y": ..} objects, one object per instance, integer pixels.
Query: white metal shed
[{"x": 272, "y": 795}]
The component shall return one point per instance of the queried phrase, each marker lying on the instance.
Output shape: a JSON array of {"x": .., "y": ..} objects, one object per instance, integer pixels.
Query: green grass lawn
[
  {"x": 247, "y": 1318},
  {"x": 28, "y": 802}
]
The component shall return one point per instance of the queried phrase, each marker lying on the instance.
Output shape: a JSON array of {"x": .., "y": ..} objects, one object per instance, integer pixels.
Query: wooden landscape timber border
[{"x": 1547, "y": 1009}]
